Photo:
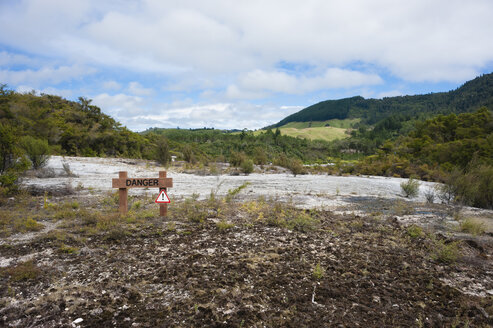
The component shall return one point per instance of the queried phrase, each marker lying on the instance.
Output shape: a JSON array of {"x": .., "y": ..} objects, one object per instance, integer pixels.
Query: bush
[
  {"x": 472, "y": 226},
  {"x": 296, "y": 167},
  {"x": 447, "y": 252},
  {"x": 163, "y": 154},
  {"x": 410, "y": 188},
  {"x": 474, "y": 187},
  {"x": 237, "y": 158},
  {"x": 37, "y": 151},
  {"x": 247, "y": 166}
]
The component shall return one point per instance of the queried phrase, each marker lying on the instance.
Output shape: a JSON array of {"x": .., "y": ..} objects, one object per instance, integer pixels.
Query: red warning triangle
[{"x": 162, "y": 198}]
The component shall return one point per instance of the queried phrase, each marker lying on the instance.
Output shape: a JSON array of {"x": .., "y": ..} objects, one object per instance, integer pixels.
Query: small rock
[{"x": 78, "y": 320}]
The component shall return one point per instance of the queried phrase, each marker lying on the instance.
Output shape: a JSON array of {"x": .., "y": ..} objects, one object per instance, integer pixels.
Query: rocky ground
[{"x": 238, "y": 261}]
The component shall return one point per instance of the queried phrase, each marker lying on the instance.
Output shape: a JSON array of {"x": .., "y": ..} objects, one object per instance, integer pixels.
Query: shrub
[
  {"x": 430, "y": 196},
  {"x": 447, "y": 252},
  {"x": 472, "y": 226},
  {"x": 415, "y": 231},
  {"x": 237, "y": 158},
  {"x": 24, "y": 271},
  {"x": 410, "y": 188},
  {"x": 163, "y": 154},
  {"x": 296, "y": 167},
  {"x": 37, "y": 151},
  {"x": 188, "y": 155},
  {"x": 474, "y": 187},
  {"x": 247, "y": 166}
]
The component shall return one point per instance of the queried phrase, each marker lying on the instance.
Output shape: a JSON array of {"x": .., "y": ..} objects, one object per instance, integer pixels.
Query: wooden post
[
  {"x": 163, "y": 208},
  {"x": 123, "y": 194},
  {"x": 123, "y": 183}
]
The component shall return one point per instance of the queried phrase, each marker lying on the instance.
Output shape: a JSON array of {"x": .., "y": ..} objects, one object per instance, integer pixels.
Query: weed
[
  {"x": 410, "y": 188},
  {"x": 472, "y": 226},
  {"x": 415, "y": 231},
  {"x": 24, "y": 271},
  {"x": 318, "y": 272},
  {"x": 65, "y": 249},
  {"x": 223, "y": 225},
  {"x": 430, "y": 196},
  {"x": 402, "y": 208},
  {"x": 136, "y": 205},
  {"x": 171, "y": 226},
  {"x": 232, "y": 193},
  {"x": 446, "y": 252},
  {"x": 302, "y": 222}
]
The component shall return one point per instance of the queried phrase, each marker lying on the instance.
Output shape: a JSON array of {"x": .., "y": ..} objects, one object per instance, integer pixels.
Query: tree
[{"x": 163, "y": 154}]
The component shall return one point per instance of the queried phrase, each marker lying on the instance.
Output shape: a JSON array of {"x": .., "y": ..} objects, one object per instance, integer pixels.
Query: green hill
[{"x": 469, "y": 97}]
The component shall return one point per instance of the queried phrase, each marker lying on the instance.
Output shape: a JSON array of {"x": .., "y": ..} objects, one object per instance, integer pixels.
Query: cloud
[
  {"x": 415, "y": 40},
  {"x": 112, "y": 85},
  {"x": 136, "y": 88},
  {"x": 218, "y": 115},
  {"x": 257, "y": 82},
  {"x": 120, "y": 105},
  {"x": 45, "y": 75}
]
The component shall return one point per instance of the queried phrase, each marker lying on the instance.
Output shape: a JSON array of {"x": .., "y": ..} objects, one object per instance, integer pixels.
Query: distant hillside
[{"x": 469, "y": 97}]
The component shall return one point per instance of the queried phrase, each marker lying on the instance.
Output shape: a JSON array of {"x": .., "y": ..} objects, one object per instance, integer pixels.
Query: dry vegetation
[{"x": 221, "y": 262}]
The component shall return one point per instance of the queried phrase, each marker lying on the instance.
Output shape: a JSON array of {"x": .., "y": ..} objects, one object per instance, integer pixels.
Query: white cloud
[
  {"x": 112, "y": 85},
  {"x": 136, "y": 88},
  {"x": 415, "y": 40},
  {"x": 256, "y": 82},
  {"x": 45, "y": 75},
  {"x": 218, "y": 115},
  {"x": 121, "y": 105}
]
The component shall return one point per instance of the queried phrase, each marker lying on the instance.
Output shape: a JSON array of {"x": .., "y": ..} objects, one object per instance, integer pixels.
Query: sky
[{"x": 238, "y": 64}]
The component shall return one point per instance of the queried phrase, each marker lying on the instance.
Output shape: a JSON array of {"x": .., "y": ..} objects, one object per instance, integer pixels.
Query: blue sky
[{"x": 238, "y": 64}]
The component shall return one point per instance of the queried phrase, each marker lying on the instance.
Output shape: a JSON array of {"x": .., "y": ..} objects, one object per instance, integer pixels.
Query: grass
[
  {"x": 24, "y": 271},
  {"x": 446, "y": 252},
  {"x": 336, "y": 123},
  {"x": 223, "y": 225},
  {"x": 318, "y": 133},
  {"x": 472, "y": 226}
]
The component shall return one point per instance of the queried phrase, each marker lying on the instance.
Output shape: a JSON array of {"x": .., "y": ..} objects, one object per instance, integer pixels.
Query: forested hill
[
  {"x": 469, "y": 97},
  {"x": 69, "y": 127}
]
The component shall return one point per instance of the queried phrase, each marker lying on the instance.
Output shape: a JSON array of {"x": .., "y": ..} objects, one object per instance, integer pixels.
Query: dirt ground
[{"x": 241, "y": 261}]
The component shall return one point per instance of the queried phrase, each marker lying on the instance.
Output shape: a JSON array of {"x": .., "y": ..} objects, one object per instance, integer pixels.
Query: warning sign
[{"x": 162, "y": 198}]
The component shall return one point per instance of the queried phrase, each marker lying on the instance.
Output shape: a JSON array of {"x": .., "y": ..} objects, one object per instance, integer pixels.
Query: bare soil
[{"x": 233, "y": 264}]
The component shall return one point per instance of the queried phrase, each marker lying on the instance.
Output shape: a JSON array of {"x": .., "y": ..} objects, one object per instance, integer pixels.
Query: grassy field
[
  {"x": 322, "y": 133},
  {"x": 323, "y": 130},
  {"x": 335, "y": 123}
]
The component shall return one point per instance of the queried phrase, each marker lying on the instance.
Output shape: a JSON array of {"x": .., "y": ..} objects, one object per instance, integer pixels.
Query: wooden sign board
[
  {"x": 143, "y": 183},
  {"x": 123, "y": 183}
]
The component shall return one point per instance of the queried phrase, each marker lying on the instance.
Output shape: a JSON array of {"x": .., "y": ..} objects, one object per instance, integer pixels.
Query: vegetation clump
[{"x": 410, "y": 188}]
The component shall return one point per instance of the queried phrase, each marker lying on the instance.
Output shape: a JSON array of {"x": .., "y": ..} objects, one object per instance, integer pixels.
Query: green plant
[
  {"x": 37, "y": 151},
  {"x": 472, "y": 226},
  {"x": 410, "y": 188},
  {"x": 223, "y": 225},
  {"x": 446, "y": 252},
  {"x": 415, "y": 231},
  {"x": 232, "y": 193},
  {"x": 24, "y": 271},
  {"x": 318, "y": 271},
  {"x": 302, "y": 222},
  {"x": 296, "y": 167},
  {"x": 163, "y": 152},
  {"x": 247, "y": 166},
  {"x": 27, "y": 224},
  {"x": 67, "y": 249}
]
